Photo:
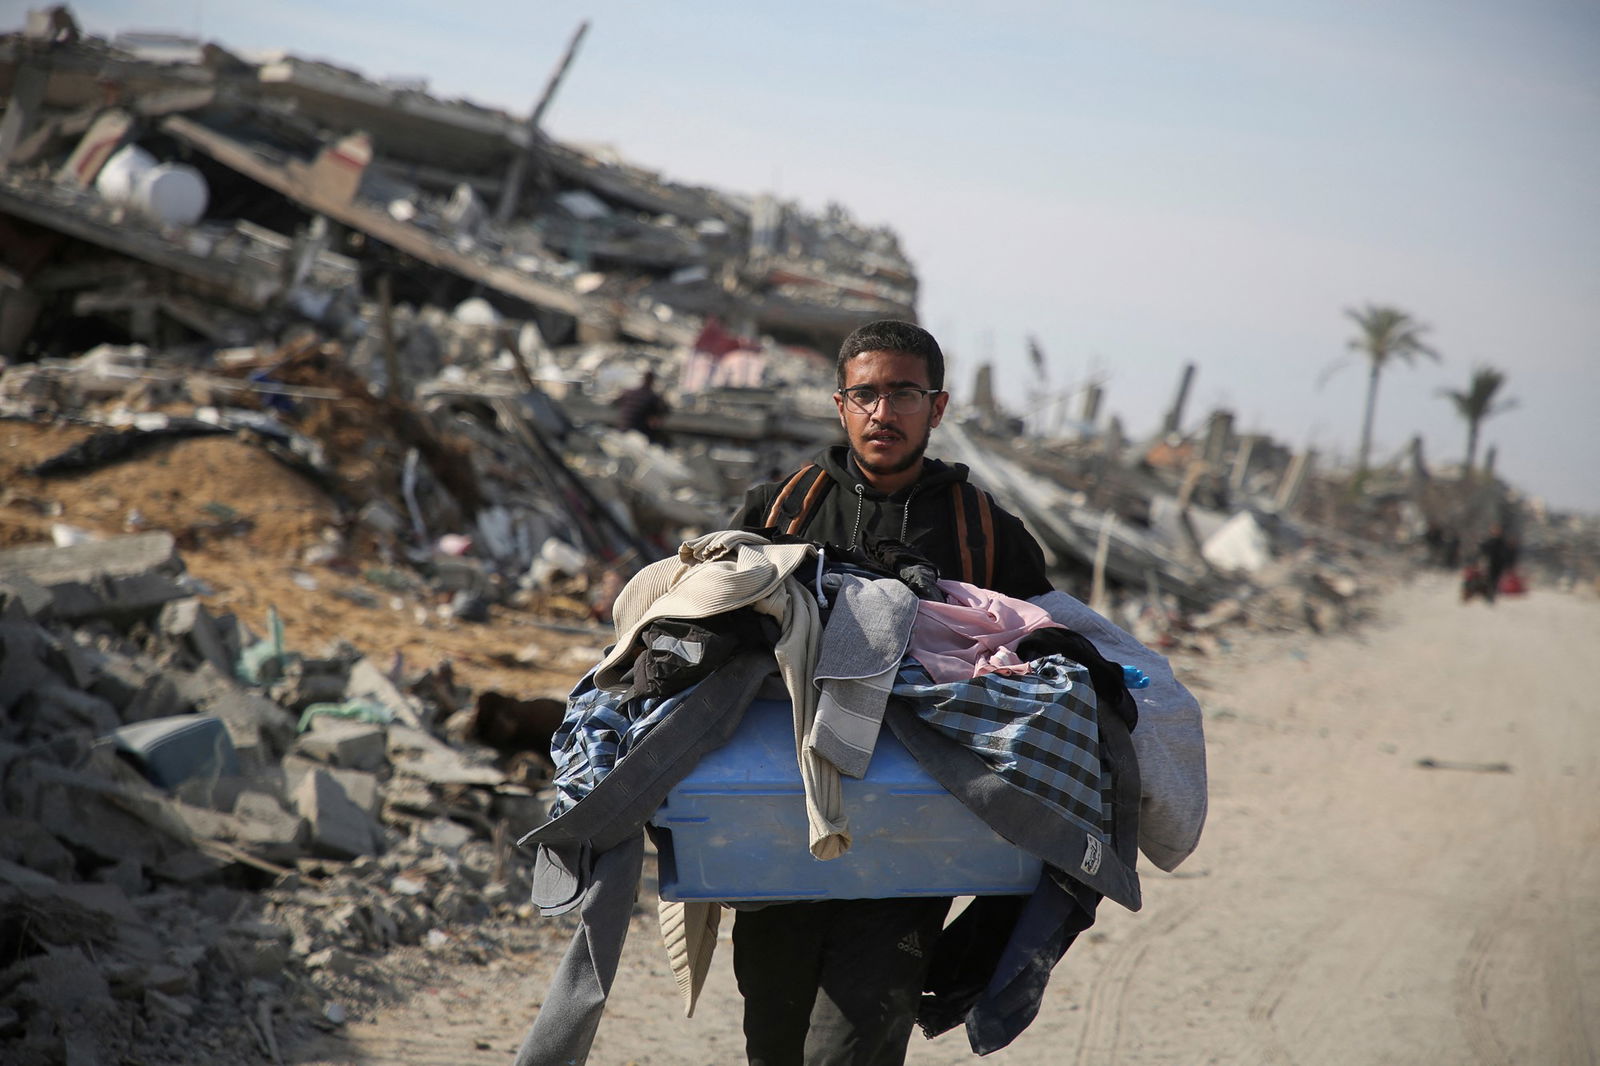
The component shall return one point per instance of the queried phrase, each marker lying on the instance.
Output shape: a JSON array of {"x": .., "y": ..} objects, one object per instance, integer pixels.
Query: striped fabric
[
  {"x": 1038, "y": 730},
  {"x": 598, "y": 729}
]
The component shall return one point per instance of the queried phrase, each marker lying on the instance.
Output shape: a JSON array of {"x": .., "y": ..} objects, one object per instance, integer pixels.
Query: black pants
[{"x": 835, "y": 982}]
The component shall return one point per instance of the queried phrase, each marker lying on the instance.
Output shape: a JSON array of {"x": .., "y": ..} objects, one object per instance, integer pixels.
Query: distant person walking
[
  {"x": 1498, "y": 553},
  {"x": 641, "y": 408}
]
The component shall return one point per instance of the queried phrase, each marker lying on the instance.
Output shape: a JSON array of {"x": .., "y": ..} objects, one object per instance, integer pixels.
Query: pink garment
[{"x": 973, "y": 633}]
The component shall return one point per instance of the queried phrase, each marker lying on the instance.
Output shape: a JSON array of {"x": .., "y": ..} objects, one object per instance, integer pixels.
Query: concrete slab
[{"x": 339, "y": 828}]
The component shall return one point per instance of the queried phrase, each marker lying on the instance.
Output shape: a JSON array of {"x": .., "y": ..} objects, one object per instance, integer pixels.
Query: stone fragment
[
  {"x": 22, "y": 669},
  {"x": 456, "y": 904},
  {"x": 188, "y": 620},
  {"x": 264, "y": 828},
  {"x": 338, "y": 828},
  {"x": 260, "y": 729},
  {"x": 248, "y": 957},
  {"x": 367, "y": 682},
  {"x": 56, "y": 708},
  {"x": 446, "y": 835},
  {"x": 343, "y": 743},
  {"x": 157, "y": 696},
  {"x": 308, "y": 681},
  {"x": 419, "y": 754},
  {"x": 90, "y": 561},
  {"x": 26, "y": 842},
  {"x": 111, "y": 821},
  {"x": 25, "y": 598},
  {"x": 334, "y": 960}
]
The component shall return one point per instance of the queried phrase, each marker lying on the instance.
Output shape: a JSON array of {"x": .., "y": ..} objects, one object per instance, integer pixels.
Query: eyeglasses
[{"x": 864, "y": 398}]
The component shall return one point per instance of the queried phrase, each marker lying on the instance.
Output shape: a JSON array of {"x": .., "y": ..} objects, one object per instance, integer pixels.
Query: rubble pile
[{"x": 202, "y": 824}]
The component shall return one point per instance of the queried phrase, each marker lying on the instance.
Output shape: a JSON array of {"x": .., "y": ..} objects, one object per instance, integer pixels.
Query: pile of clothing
[{"x": 1021, "y": 709}]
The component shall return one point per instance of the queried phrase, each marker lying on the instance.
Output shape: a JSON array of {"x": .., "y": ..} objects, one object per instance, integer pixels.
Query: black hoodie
[{"x": 917, "y": 515}]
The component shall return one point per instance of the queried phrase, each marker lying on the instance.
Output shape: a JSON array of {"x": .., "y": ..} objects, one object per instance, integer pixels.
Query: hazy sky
[{"x": 1140, "y": 185}]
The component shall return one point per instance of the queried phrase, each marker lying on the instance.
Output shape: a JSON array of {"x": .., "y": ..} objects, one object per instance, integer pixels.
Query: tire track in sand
[{"x": 1108, "y": 996}]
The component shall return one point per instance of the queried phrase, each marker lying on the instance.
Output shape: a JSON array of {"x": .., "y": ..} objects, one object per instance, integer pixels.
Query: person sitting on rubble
[
  {"x": 642, "y": 409},
  {"x": 840, "y": 980}
]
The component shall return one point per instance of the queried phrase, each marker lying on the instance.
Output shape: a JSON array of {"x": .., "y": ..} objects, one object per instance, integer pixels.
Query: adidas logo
[{"x": 911, "y": 944}]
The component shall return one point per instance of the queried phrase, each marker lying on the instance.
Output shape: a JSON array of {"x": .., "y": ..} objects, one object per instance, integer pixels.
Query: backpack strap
[
  {"x": 974, "y": 514},
  {"x": 809, "y": 483}
]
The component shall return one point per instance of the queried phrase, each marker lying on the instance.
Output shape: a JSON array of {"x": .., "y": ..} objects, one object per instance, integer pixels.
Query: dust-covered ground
[{"x": 1348, "y": 904}]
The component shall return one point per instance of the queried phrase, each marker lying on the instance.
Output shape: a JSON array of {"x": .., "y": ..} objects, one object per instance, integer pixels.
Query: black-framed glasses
[{"x": 864, "y": 398}]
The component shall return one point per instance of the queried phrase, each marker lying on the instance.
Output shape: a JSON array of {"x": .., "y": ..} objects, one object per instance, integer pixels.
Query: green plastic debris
[
  {"x": 354, "y": 710},
  {"x": 265, "y": 660}
]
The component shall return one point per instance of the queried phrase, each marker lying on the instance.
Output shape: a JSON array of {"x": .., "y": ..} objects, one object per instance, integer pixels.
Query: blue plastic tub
[{"x": 735, "y": 828}]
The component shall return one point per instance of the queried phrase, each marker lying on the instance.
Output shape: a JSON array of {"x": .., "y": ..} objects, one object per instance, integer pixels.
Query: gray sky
[{"x": 1140, "y": 185}]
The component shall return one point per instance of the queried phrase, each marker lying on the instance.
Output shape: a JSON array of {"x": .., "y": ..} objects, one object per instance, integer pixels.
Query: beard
[{"x": 912, "y": 458}]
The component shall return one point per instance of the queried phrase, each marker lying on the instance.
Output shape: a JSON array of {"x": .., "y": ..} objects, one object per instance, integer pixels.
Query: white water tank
[
  {"x": 172, "y": 194},
  {"x": 116, "y": 179}
]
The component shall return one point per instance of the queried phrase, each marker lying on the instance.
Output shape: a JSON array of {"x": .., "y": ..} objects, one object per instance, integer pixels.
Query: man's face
[{"x": 886, "y": 444}]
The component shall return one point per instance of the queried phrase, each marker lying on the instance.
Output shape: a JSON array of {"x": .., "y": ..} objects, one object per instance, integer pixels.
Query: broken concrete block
[
  {"x": 264, "y": 828},
  {"x": 26, "y": 597},
  {"x": 308, "y": 681},
  {"x": 115, "y": 597},
  {"x": 188, "y": 620},
  {"x": 21, "y": 877},
  {"x": 203, "y": 684},
  {"x": 122, "y": 576},
  {"x": 23, "y": 646},
  {"x": 55, "y": 708},
  {"x": 339, "y": 829},
  {"x": 260, "y": 729},
  {"x": 446, "y": 835},
  {"x": 420, "y": 754},
  {"x": 456, "y": 904},
  {"x": 362, "y": 788},
  {"x": 334, "y": 961},
  {"x": 233, "y": 637},
  {"x": 343, "y": 743},
  {"x": 1241, "y": 545},
  {"x": 367, "y": 682},
  {"x": 157, "y": 696},
  {"x": 73, "y": 663},
  {"x": 26, "y": 842},
  {"x": 110, "y": 821},
  {"x": 248, "y": 956},
  {"x": 118, "y": 679},
  {"x": 92, "y": 561},
  {"x": 1222, "y": 612}
]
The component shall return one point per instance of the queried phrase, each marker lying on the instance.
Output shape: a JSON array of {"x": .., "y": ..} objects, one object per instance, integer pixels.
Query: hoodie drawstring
[{"x": 905, "y": 514}]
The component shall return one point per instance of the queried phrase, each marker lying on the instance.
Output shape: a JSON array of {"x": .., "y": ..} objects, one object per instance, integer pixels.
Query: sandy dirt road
[{"x": 1347, "y": 905}]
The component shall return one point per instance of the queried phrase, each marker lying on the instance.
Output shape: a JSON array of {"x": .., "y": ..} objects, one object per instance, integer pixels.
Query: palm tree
[
  {"x": 1478, "y": 404},
  {"x": 1387, "y": 334}
]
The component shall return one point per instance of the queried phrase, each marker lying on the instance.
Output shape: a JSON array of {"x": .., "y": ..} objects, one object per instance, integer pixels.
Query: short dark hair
[{"x": 891, "y": 335}]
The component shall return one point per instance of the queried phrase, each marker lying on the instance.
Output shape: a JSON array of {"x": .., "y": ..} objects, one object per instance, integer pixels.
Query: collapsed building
[{"x": 289, "y": 186}]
